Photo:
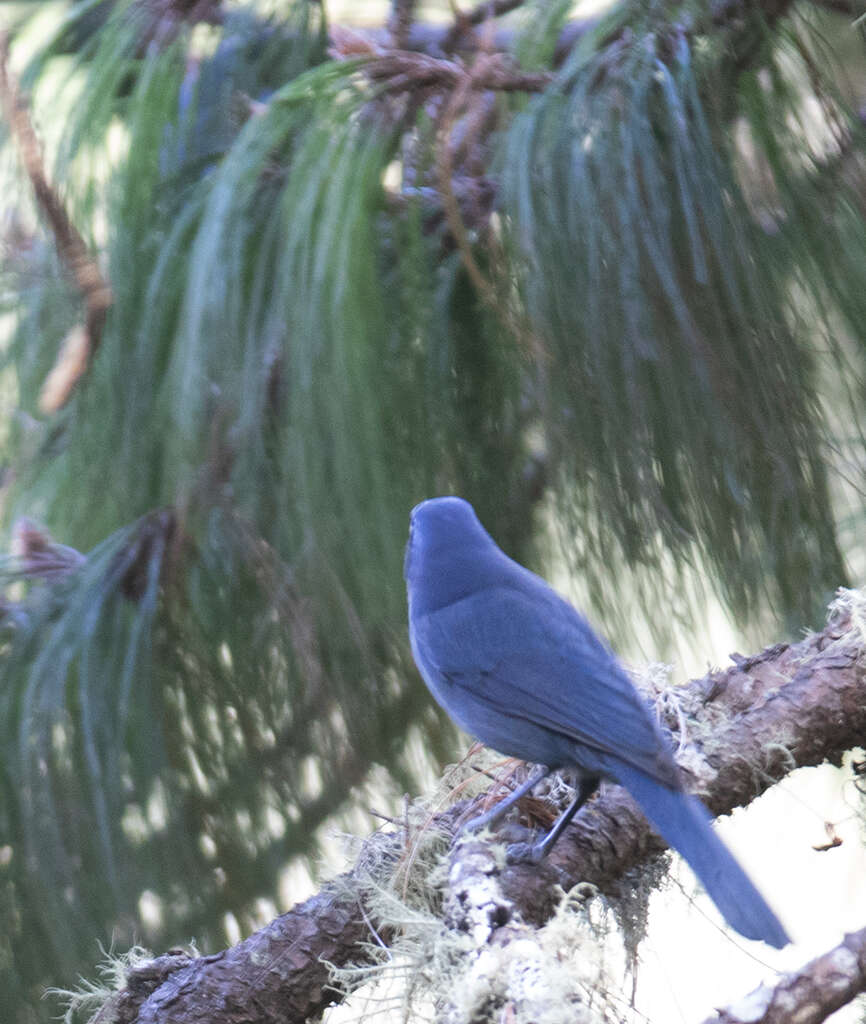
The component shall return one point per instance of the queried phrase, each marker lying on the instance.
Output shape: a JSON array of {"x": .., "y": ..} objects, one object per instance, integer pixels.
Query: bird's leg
[
  {"x": 539, "y": 772},
  {"x": 535, "y": 852}
]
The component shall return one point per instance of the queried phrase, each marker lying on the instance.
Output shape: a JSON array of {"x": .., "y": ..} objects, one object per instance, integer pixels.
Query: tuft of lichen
[
  {"x": 851, "y": 605},
  {"x": 427, "y": 970},
  {"x": 82, "y": 1004},
  {"x": 550, "y": 975}
]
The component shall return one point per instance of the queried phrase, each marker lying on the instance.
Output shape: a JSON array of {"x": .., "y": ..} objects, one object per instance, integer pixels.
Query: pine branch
[
  {"x": 736, "y": 16},
  {"x": 786, "y": 707},
  {"x": 81, "y": 344},
  {"x": 249, "y": 265},
  {"x": 403, "y": 70},
  {"x": 809, "y": 995},
  {"x": 445, "y": 167},
  {"x": 484, "y": 66},
  {"x": 38, "y": 556},
  {"x": 443, "y": 40}
]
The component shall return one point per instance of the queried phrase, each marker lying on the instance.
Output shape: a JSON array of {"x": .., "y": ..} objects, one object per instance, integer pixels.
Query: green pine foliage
[
  {"x": 295, "y": 354},
  {"x": 685, "y": 391}
]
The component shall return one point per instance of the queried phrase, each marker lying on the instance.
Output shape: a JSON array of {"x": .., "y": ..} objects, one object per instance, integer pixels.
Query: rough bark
[
  {"x": 745, "y": 728},
  {"x": 278, "y": 974},
  {"x": 809, "y": 995}
]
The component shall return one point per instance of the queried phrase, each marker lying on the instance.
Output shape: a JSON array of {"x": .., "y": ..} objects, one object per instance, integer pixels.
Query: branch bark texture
[
  {"x": 277, "y": 975},
  {"x": 747, "y": 727},
  {"x": 807, "y": 996}
]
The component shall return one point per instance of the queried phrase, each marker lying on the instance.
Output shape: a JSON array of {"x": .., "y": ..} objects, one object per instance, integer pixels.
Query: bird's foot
[
  {"x": 513, "y": 833},
  {"x": 525, "y": 853}
]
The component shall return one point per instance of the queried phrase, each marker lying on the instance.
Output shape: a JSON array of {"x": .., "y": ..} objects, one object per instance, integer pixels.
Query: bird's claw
[
  {"x": 514, "y": 834},
  {"x": 524, "y": 853}
]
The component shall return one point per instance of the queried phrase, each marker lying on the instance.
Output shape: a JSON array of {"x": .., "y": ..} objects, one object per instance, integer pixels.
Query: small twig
[
  {"x": 445, "y": 169},
  {"x": 407, "y": 803},
  {"x": 71, "y": 248},
  {"x": 384, "y": 817},
  {"x": 440, "y": 40},
  {"x": 485, "y": 11},
  {"x": 492, "y": 9},
  {"x": 38, "y": 556},
  {"x": 843, "y": 7},
  {"x": 379, "y": 940},
  {"x": 400, "y": 22},
  {"x": 402, "y": 69},
  {"x": 487, "y": 68}
]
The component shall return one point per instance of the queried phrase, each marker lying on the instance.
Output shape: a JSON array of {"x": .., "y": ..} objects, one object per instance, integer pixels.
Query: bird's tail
[{"x": 684, "y": 823}]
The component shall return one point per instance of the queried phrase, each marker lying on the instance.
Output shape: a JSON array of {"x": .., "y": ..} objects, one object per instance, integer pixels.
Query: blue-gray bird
[{"x": 517, "y": 667}]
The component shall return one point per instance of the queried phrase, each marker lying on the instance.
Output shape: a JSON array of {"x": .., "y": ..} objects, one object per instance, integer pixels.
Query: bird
[{"x": 519, "y": 668}]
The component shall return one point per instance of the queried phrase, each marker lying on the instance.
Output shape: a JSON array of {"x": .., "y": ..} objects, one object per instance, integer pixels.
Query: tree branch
[
  {"x": 444, "y": 40},
  {"x": 80, "y": 345},
  {"x": 459, "y": 64},
  {"x": 400, "y": 70},
  {"x": 445, "y": 170},
  {"x": 807, "y": 996},
  {"x": 747, "y": 726},
  {"x": 277, "y": 975}
]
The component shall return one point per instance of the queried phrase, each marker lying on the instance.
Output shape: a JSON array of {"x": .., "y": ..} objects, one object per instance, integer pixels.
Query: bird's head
[{"x": 449, "y": 554}]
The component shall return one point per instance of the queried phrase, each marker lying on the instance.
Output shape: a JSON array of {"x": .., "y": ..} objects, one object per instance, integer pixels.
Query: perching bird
[{"x": 517, "y": 667}]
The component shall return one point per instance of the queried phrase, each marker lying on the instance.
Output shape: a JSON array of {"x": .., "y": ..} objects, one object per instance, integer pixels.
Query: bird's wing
[{"x": 531, "y": 656}]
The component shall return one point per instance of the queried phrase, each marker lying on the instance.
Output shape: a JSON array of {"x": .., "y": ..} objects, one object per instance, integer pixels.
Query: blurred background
[{"x": 271, "y": 290}]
